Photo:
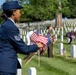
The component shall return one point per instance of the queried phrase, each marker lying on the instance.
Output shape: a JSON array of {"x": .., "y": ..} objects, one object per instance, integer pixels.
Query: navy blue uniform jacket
[{"x": 10, "y": 44}]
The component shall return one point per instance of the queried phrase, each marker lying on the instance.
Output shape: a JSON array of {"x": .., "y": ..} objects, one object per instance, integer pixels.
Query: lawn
[{"x": 58, "y": 65}]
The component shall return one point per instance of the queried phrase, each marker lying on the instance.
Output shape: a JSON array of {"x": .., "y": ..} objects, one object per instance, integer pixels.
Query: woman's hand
[{"x": 40, "y": 45}]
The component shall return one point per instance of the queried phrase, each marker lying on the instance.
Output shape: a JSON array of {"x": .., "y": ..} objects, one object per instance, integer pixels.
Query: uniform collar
[{"x": 12, "y": 20}]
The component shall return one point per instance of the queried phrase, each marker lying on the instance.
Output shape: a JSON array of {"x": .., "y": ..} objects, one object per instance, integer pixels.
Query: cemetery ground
[{"x": 58, "y": 65}]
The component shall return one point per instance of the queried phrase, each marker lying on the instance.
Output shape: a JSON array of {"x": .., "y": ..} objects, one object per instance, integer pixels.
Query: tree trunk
[{"x": 58, "y": 19}]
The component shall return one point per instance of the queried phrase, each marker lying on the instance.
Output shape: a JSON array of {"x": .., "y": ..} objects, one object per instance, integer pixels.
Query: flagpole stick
[
  {"x": 39, "y": 58},
  {"x": 29, "y": 57}
]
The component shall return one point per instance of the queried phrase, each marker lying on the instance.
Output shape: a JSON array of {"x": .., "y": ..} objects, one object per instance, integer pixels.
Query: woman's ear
[{"x": 14, "y": 12}]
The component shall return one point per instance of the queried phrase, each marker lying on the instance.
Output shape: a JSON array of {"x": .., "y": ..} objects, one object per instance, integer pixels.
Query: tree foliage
[
  {"x": 37, "y": 10},
  {"x": 72, "y": 6}
]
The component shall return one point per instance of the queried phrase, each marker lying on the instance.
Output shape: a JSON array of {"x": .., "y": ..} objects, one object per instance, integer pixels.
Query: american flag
[
  {"x": 33, "y": 37},
  {"x": 39, "y": 38}
]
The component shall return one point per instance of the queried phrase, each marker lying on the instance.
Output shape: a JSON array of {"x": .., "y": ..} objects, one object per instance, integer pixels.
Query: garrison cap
[{"x": 11, "y": 5}]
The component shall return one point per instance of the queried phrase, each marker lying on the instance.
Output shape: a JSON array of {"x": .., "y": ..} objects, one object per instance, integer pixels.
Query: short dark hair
[
  {"x": 9, "y": 13},
  {"x": 48, "y": 26}
]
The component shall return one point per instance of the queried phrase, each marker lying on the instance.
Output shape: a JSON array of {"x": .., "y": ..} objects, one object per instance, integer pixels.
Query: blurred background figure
[
  {"x": 70, "y": 35},
  {"x": 50, "y": 46}
]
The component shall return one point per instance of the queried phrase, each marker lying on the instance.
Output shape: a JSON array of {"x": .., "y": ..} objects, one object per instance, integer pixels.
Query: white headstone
[
  {"x": 61, "y": 48},
  {"x": 65, "y": 29},
  {"x": 55, "y": 37},
  {"x": 62, "y": 30},
  {"x": 68, "y": 40},
  {"x": 68, "y": 28},
  {"x": 73, "y": 51},
  {"x": 32, "y": 71},
  {"x": 24, "y": 38},
  {"x": 19, "y": 71},
  {"x": 25, "y": 33},
  {"x": 58, "y": 31},
  {"x": 44, "y": 32},
  {"x": 53, "y": 31},
  {"x": 61, "y": 38},
  {"x": 21, "y": 35}
]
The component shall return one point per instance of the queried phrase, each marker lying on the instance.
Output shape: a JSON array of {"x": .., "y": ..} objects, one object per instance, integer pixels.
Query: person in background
[
  {"x": 50, "y": 33},
  {"x": 10, "y": 41},
  {"x": 70, "y": 35},
  {"x": 50, "y": 46}
]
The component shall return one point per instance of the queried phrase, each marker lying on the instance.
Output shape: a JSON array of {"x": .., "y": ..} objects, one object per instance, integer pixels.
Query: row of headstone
[
  {"x": 23, "y": 34},
  {"x": 58, "y": 31},
  {"x": 62, "y": 50},
  {"x": 69, "y": 25},
  {"x": 68, "y": 29},
  {"x": 67, "y": 22},
  {"x": 44, "y": 31},
  {"x": 70, "y": 22}
]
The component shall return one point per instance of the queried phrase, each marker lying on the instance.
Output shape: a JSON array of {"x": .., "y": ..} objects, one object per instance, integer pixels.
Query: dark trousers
[
  {"x": 6, "y": 73},
  {"x": 50, "y": 50},
  {"x": 70, "y": 40}
]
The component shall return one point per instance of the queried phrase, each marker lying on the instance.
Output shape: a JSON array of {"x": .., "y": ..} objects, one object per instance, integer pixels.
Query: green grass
[{"x": 58, "y": 65}]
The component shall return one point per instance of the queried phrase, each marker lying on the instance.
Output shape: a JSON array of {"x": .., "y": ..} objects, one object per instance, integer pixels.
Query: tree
[
  {"x": 61, "y": 11},
  {"x": 72, "y": 6},
  {"x": 40, "y": 9}
]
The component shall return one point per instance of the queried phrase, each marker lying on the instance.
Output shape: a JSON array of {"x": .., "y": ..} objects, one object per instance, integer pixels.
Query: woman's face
[
  {"x": 50, "y": 28},
  {"x": 17, "y": 15}
]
